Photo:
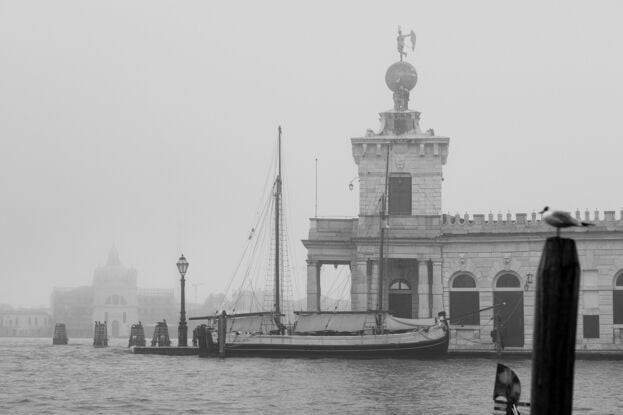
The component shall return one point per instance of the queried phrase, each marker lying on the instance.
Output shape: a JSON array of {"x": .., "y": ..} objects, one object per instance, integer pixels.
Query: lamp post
[
  {"x": 351, "y": 184},
  {"x": 182, "y": 330},
  {"x": 529, "y": 281}
]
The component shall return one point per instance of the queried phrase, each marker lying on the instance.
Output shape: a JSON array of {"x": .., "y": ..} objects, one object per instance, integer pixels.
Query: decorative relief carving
[
  {"x": 462, "y": 262},
  {"x": 400, "y": 162}
]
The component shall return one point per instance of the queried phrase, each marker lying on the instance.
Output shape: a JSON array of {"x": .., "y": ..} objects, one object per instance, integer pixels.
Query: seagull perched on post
[{"x": 559, "y": 219}]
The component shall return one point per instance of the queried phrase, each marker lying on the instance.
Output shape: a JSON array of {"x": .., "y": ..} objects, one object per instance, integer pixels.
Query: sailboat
[{"x": 354, "y": 334}]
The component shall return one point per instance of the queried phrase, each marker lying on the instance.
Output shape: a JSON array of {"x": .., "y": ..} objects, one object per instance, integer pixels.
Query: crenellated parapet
[
  {"x": 419, "y": 146},
  {"x": 525, "y": 223}
]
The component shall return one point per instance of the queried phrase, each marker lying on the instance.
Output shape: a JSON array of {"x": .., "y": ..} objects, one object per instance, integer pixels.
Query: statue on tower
[
  {"x": 401, "y": 42},
  {"x": 401, "y": 77}
]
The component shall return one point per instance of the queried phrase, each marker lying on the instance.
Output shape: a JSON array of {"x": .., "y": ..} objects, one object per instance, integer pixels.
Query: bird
[{"x": 560, "y": 219}]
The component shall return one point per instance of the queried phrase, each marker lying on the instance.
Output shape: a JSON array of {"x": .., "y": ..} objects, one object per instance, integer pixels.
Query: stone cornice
[
  {"x": 328, "y": 243},
  {"x": 472, "y": 237}
]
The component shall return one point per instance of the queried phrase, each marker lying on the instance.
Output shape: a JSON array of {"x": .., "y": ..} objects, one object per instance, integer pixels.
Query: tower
[
  {"x": 115, "y": 296},
  {"x": 405, "y": 164},
  {"x": 416, "y": 158}
]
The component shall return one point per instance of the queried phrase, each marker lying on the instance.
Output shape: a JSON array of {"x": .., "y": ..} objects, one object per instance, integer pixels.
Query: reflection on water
[{"x": 37, "y": 377}]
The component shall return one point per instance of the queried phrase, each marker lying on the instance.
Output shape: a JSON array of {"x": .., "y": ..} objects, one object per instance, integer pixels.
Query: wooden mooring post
[
  {"x": 137, "y": 335},
  {"x": 207, "y": 348},
  {"x": 555, "y": 323},
  {"x": 60, "y": 334},
  {"x": 161, "y": 335},
  {"x": 100, "y": 334},
  {"x": 222, "y": 330}
]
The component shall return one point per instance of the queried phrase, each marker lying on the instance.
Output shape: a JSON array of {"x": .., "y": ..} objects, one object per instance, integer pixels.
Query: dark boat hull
[{"x": 433, "y": 348}]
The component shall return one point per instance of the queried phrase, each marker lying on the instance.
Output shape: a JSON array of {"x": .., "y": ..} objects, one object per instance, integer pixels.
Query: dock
[{"x": 166, "y": 350}]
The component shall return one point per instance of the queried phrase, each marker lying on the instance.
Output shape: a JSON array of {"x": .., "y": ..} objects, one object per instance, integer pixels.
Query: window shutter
[{"x": 400, "y": 195}]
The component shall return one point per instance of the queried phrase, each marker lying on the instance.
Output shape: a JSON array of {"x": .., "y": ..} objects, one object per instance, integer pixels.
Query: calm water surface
[{"x": 39, "y": 378}]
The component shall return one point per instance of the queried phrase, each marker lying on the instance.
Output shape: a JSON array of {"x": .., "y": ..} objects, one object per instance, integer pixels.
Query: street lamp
[
  {"x": 351, "y": 185},
  {"x": 529, "y": 281},
  {"x": 182, "y": 330}
]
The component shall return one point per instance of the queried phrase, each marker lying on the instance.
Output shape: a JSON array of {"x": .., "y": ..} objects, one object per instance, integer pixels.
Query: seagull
[{"x": 559, "y": 219}]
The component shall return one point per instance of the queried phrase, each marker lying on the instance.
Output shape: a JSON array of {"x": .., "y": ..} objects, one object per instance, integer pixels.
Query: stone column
[
  {"x": 437, "y": 288},
  {"x": 373, "y": 285},
  {"x": 423, "y": 289},
  {"x": 313, "y": 285},
  {"x": 359, "y": 285}
]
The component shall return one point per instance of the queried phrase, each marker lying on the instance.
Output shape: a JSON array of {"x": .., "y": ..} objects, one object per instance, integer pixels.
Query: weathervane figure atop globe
[
  {"x": 401, "y": 77},
  {"x": 401, "y": 42}
]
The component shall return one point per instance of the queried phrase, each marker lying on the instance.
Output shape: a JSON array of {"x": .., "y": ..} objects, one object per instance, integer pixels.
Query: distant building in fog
[
  {"x": 115, "y": 298},
  {"x": 74, "y": 308},
  {"x": 25, "y": 322}
]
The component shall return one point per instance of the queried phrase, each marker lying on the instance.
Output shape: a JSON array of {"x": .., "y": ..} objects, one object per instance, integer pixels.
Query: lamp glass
[{"x": 182, "y": 265}]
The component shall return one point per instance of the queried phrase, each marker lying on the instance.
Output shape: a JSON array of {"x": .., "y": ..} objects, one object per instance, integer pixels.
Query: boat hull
[{"x": 403, "y": 345}]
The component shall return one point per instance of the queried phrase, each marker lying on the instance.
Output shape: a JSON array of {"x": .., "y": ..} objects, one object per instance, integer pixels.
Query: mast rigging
[
  {"x": 277, "y": 234},
  {"x": 382, "y": 234}
]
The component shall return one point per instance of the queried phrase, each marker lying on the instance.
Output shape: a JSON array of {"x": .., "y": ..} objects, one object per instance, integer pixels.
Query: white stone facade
[
  {"x": 490, "y": 250},
  {"x": 25, "y": 323}
]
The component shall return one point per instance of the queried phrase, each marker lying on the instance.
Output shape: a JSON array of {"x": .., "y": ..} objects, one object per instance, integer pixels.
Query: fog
[{"x": 149, "y": 126}]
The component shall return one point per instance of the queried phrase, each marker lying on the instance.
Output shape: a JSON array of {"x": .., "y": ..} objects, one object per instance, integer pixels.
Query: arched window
[
  {"x": 463, "y": 281},
  {"x": 617, "y": 299},
  {"x": 507, "y": 281},
  {"x": 400, "y": 285},
  {"x": 464, "y": 300}
]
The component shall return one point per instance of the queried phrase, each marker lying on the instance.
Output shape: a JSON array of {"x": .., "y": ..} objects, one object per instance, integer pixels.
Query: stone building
[
  {"x": 114, "y": 297},
  {"x": 462, "y": 265},
  {"x": 74, "y": 308},
  {"x": 25, "y": 322}
]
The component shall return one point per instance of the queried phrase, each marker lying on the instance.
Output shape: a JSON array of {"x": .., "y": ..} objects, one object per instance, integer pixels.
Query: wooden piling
[
  {"x": 100, "y": 334},
  {"x": 161, "y": 335},
  {"x": 137, "y": 335},
  {"x": 222, "y": 331},
  {"x": 207, "y": 348},
  {"x": 555, "y": 323},
  {"x": 202, "y": 341},
  {"x": 60, "y": 334}
]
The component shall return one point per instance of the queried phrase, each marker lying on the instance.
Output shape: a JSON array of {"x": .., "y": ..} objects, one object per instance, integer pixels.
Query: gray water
[{"x": 39, "y": 378}]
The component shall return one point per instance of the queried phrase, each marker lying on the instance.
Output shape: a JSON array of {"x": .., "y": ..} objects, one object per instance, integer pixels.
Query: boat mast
[
  {"x": 382, "y": 223},
  {"x": 277, "y": 207}
]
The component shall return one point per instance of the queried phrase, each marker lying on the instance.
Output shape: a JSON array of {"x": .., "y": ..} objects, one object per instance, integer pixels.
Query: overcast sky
[{"x": 150, "y": 125}]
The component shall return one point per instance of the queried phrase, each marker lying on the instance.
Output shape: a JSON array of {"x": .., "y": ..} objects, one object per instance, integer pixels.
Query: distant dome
[
  {"x": 401, "y": 74},
  {"x": 113, "y": 257}
]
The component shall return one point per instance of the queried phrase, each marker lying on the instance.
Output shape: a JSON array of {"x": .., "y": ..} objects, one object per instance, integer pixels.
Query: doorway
[
  {"x": 115, "y": 328},
  {"x": 508, "y": 291},
  {"x": 400, "y": 299}
]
